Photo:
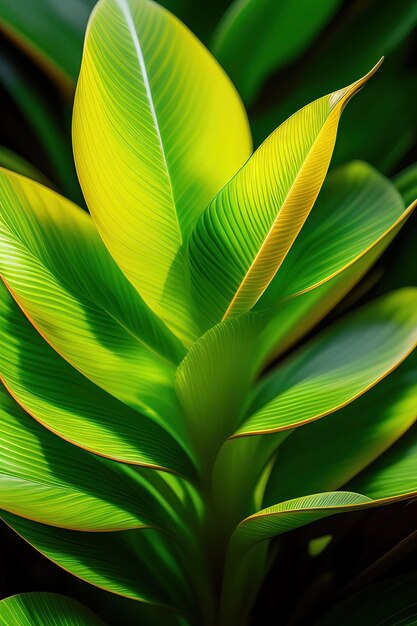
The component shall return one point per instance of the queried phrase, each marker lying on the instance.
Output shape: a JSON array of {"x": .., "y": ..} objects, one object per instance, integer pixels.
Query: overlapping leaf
[
  {"x": 242, "y": 238},
  {"x": 155, "y": 110},
  {"x": 391, "y": 477},
  {"x": 45, "y": 609},
  {"x": 106, "y": 560},
  {"x": 355, "y": 209},
  {"x": 293, "y": 318},
  {"x": 337, "y": 366},
  {"x": 47, "y": 479},
  {"x": 213, "y": 380},
  {"x": 67, "y": 403},
  {"x": 64, "y": 279},
  {"x": 340, "y": 445}
]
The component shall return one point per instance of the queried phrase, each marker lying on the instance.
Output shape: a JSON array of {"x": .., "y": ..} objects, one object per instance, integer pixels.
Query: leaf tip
[{"x": 343, "y": 96}]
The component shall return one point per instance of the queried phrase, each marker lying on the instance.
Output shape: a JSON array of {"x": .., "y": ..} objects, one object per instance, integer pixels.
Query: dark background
[{"x": 379, "y": 126}]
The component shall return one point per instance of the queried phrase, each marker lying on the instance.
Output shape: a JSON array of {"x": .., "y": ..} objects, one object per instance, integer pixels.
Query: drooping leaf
[
  {"x": 51, "y": 32},
  {"x": 242, "y": 238},
  {"x": 340, "y": 445},
  {"x": 45, "y": 609},
  {"x": 337, "y": 366},
  {"x": 63, "y": 278},
  {"x": 48, "y": 480},
  {"x": 245, "y": 40},
  {"x": 391, "y": 602},
  {"x": 406, "y": 183},
  {"x": 355, "y": 209},
  {"x": 106, "y": 560},
  {"x": 166, "y": 120},
  {"x": 70, "y": 405}
]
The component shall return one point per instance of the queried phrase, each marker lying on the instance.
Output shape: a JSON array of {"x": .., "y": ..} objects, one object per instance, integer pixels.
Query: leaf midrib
[{"x": 125, "y": 9}]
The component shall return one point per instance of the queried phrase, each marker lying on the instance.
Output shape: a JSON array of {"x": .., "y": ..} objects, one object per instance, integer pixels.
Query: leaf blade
[
  {"x": 356, "y": 353},
  {"x": 242, "y": 238},
  {"x": 45, "y": 609},
  {"x": 173, "y": 157}
]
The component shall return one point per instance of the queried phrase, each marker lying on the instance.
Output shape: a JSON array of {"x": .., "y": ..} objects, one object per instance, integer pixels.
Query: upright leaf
[
  {"x": 158, "y": 130},
  {"x": 213, "y": 381},
  {"x": 242, "y": 238}
]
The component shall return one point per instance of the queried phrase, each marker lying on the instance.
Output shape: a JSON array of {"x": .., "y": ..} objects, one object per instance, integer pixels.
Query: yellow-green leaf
[
  {"x": 158, "y": 130},
  {"x": 242, "y": 238}
]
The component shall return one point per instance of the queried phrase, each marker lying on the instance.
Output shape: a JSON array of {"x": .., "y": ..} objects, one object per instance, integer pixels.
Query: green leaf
[
  {"x": 71, "y": 406},
  {"x": 48, "y": 480},
  {"x": 62, "y": 276},
  {"x": 51, "y": 32},
  {"x": 286, "y": 516},
  {"x": 245, "y": 40},
  {"x": 406, "y": 183},
  {"x": 242, "y": 238},
  {"x": 213, "y": 381},
  {"x": 337, "y": 447},
  {"x": 294, "y": 317},
  {"x": 154, "y": 110},
  {"x": 391, "y": 602},
  {"x": 394, "y": 473},
  {"x": 354, "y": 211},
  {"x": 110, "y": 561},
  {"x": 45, "y": 609},
  {"x": 336, "y": 367}
]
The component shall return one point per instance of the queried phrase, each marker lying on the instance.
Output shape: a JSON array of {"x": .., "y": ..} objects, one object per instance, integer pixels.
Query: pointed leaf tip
[{"x": 346, "y": 93}]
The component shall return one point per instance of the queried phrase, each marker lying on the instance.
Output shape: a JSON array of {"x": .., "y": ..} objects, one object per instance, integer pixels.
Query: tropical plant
[{"x": 163, "y": 417}]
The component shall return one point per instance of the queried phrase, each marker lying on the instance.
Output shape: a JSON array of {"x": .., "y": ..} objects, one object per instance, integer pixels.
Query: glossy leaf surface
[
  {"x": 242, "y": 238},
  {"x": 163, "y": 117}
]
